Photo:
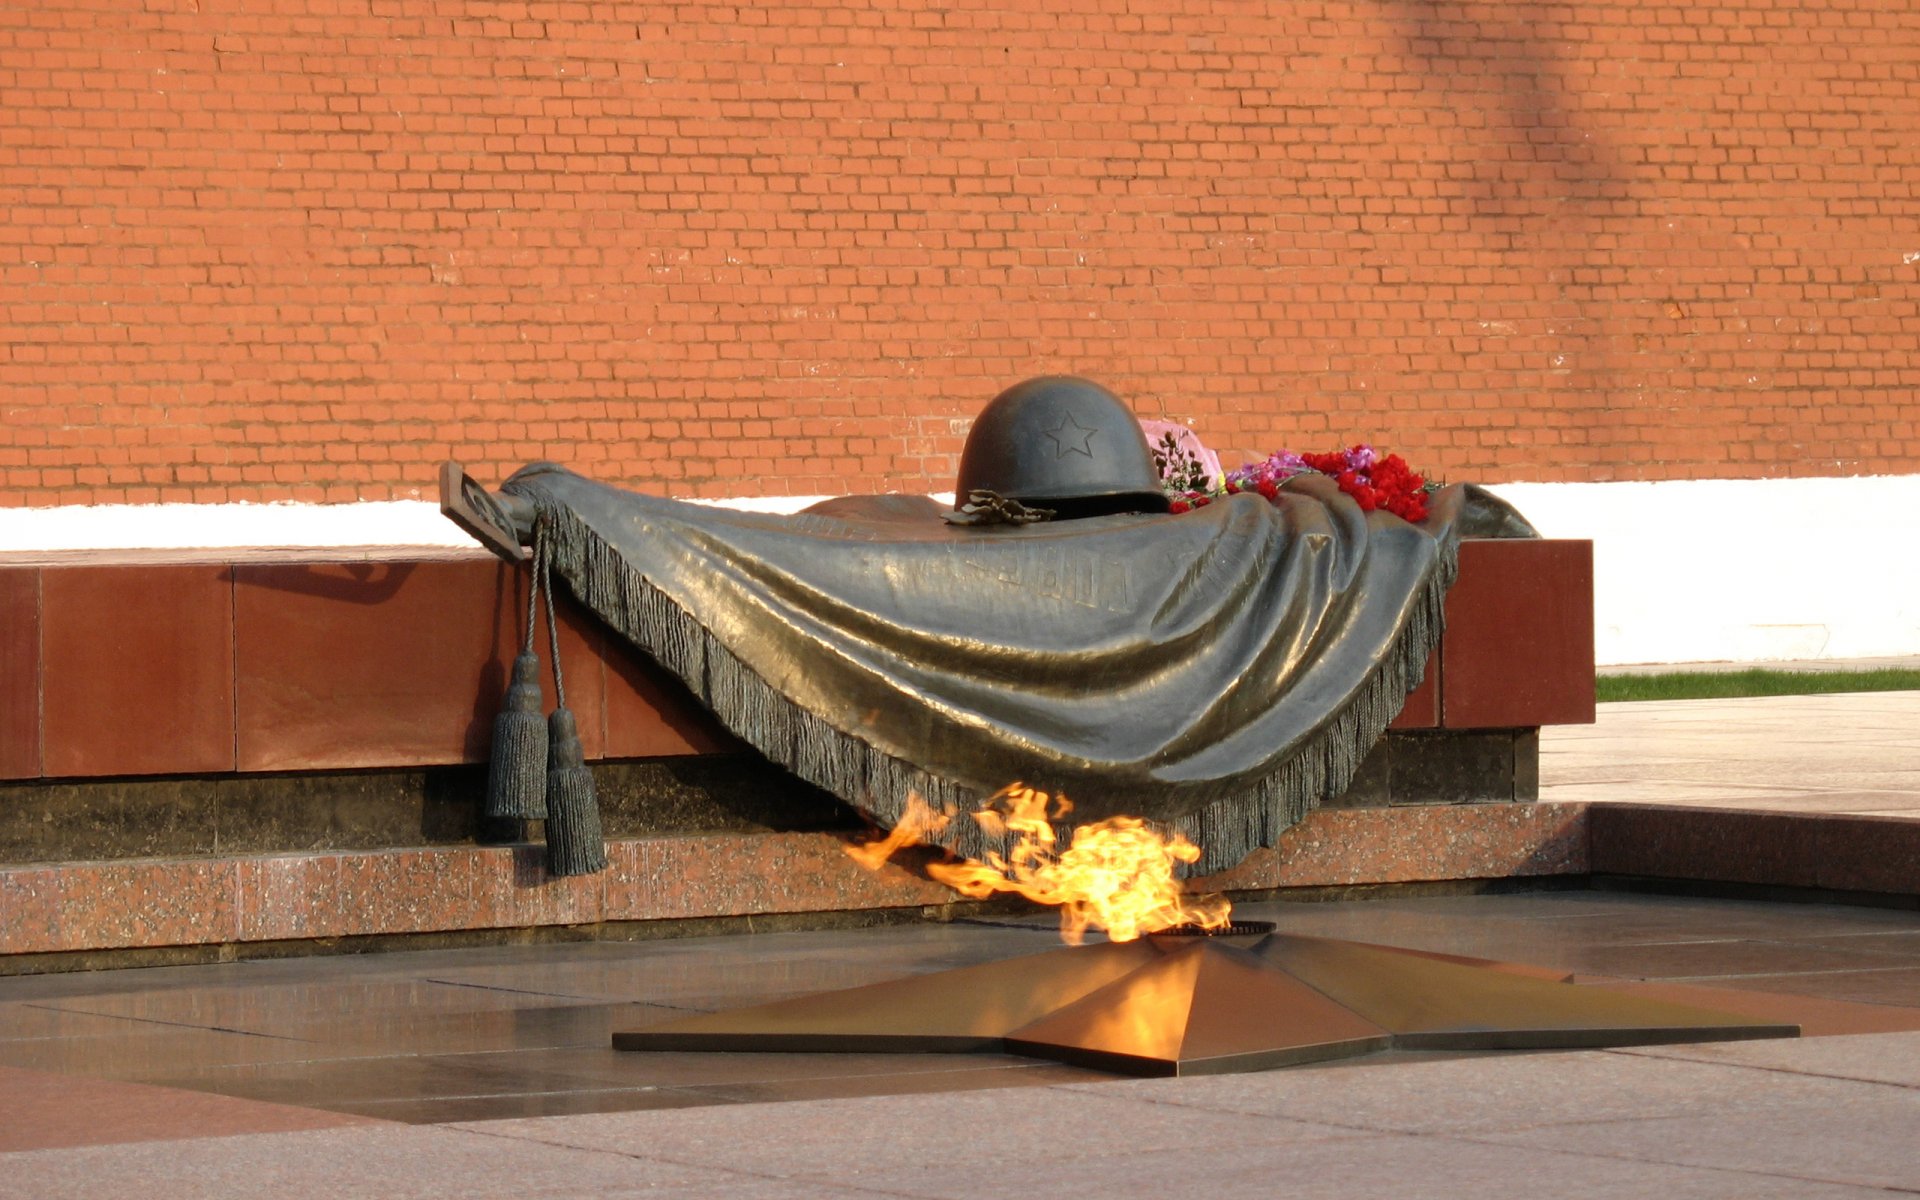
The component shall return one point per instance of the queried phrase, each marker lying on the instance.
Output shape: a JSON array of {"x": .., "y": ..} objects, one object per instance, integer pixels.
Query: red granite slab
[
  {"x": 293, "y": 896},
  {"x": 651, "y": 714},
  {"x": 341, "y": 895},
  {"x": 1712, "y": 844},
  {"x": 514, "y": 889},
  {"x": 189, "y": 901},
  {"x": 1347, "y": 846},
  {"x": 1518, "y": 647},
  {"x": 1422, "y": 709},
  {"x": 1868, "y": 854},
  {"x": 137, "y": 669},
  {"x": 387, "y": 664},
  {"x": 404, "y": 891},
  {"x": 583, "y": 659},
  {"x": 19, "y": 673},
  {"x": 30, "y": 910},
  {"x": 409, "y": 891},
  {"x": 345, "y": 664},
  {"x": 148, "y": 902},
  {"x": 732, "y": 874}
]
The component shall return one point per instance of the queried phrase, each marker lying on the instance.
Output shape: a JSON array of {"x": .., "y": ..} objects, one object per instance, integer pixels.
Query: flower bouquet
[{"x": 1188, "y": 472}]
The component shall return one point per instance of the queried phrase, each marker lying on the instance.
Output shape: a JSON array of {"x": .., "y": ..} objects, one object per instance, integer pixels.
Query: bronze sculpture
[{"x": 1218, "y": 672}]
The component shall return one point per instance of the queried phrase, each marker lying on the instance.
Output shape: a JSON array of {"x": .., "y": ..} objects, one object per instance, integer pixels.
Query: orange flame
[
  {"x": 912, "y": 829},
  {"x": 1115, "y": 875}
]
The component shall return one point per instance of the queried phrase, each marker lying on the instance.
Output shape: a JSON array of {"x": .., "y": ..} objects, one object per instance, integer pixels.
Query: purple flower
[{"x": 1276, "y": 468}]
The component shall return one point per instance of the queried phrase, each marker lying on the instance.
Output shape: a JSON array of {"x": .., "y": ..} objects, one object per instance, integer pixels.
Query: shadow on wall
[
  {"x": 1532, "y": 174},
  {"x": 1533, "y": 159}
]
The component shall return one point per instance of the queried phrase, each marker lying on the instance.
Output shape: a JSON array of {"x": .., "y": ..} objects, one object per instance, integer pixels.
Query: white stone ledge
[{"x": 1684, "y": 571}]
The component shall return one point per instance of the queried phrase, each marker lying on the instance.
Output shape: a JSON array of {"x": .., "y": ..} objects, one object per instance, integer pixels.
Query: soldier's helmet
[{"x": 1064, "y": 443}]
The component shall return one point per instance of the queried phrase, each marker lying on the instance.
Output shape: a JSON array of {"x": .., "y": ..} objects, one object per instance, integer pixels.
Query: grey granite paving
[
  {"x": 488, "y": 1072},
  {"x": 1846, "y": 753}
]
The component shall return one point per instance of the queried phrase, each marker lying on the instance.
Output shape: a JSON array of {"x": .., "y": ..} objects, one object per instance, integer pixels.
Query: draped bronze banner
[{"x": 1219, "y": 672}]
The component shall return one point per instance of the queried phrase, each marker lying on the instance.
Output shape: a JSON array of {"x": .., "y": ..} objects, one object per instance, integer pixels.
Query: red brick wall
[{"x": 307, "y": 248}]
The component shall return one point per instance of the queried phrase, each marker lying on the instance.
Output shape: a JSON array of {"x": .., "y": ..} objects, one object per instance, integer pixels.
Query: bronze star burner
[{"x": 1198, "y": 1006}]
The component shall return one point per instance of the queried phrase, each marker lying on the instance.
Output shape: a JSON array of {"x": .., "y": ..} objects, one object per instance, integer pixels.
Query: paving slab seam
[
  {"x": 1852, "y": 969},
  {"x": 1654, "y": 1052},
  {"x": 1320, "y": 1122},
  {"x": 583, "y": 1091},
  {"x": 584, "y": 1000},
  {"x": 112, "y": 1016},
  {"x": 1599, "y": 1156},
  {"x": 495, "y": 987},
  {"x": 1392, "y": 1130},
  {"x": 741, "y": 1172}
]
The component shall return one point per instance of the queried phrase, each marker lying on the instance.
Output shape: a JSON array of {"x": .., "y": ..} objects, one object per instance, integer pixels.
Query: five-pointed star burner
[{"x": 1195, "y": 1006}]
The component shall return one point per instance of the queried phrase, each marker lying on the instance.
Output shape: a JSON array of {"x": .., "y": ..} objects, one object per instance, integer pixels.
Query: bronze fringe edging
[
  {"x": 1322, "y": 767},
  {"x": 1226, "y": 828}
]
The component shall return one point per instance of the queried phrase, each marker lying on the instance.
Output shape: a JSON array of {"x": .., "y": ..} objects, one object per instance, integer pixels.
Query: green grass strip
[{"x": 1716, "y": 685}]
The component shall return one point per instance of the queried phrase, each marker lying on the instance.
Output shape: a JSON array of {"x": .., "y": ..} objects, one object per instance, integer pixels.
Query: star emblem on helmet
[{"x": 1070, "y": 437}]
